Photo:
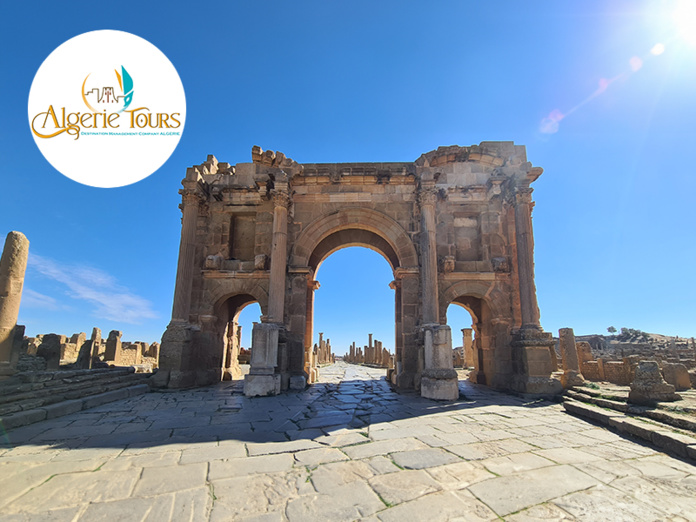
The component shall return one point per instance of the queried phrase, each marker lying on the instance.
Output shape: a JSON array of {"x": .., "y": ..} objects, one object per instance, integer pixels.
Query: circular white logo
[{"x": 107, "y": 108}]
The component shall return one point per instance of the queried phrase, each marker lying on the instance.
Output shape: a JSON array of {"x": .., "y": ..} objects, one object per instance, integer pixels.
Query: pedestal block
[
  {"x": 263, "y": 379},
  {"x": 532, "y": 363},
  {"x": 298, "y": 382},
  {"x": 439, "y": 379},
  {"x": 261, "y": 385}
]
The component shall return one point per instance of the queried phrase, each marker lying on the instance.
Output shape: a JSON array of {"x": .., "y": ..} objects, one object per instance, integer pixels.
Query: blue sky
[{"x": 611, "y": 123}]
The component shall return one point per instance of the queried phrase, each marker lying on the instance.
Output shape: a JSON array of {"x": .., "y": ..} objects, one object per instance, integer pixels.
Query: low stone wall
[
  {"x": 617, "y": 372},
  {"x": 50, "y": 351},
  {"x": 675, "y": 370},
  {"x": 590, "y": 370}
]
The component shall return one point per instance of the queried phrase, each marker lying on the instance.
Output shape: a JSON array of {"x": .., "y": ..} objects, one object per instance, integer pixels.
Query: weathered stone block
[
  {"x": 298, "y": 382},
  {"x": 261, "y": 385},
  {"x": 50, "y": 350},
  {"x": 677, "y": 375},
  {"x": 649, "y": 387}
]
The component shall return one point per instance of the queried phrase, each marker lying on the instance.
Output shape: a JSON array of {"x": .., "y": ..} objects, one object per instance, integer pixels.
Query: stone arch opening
[
  {"x": 370, "y": 227},
  {"x": 481, "y": 337},
  {"x": 461, "y": 321},
  {"x": 373, "y": 230},
  {"x": 359, "y": 294},
  {"x": 227, "y": 332}
]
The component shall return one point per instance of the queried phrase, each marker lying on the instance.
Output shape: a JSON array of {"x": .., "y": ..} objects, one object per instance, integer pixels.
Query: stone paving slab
[{"x": 348, "y": 448}]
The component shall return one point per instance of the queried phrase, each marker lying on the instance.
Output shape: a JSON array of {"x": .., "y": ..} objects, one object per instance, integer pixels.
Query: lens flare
[{"x": 657, "y": 49}]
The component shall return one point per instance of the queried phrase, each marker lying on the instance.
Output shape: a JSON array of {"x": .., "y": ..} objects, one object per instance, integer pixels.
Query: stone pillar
[
  {"x": 187, "y": 251},
  {"x": 312, "y": 286},
  {"x": 468, "y": 344},
  {"x": 426, "y": 198},
  {"x": 398, "y": 330},
  {"x": 439, "y": 379},
  {"x": 532, "y": 363},
  {"x": 176, "y": 351},
  {"x": 113, "y": 347},
  {"x": 262, "y": 379},
  {"x": 95, "y": 341},
  {"x": 279, "y": 255},
  {"x": 13, "y": 265},
  {"x": 525, "y": 258},
  {"x": 569, "y": 359},
  {"x": 408, "y": 363}
]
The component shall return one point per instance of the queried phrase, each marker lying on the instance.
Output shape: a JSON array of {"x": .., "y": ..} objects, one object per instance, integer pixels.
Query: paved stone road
[{"x": 346, "y": 449}]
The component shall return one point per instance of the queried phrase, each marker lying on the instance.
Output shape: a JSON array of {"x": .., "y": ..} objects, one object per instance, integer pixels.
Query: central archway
[
  {"x": 378, "y": 232},
  {"x": 354, "y": 307}
]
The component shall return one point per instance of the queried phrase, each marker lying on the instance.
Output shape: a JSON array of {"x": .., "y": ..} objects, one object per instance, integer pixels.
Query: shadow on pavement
[{"x": 222, "y": 413}]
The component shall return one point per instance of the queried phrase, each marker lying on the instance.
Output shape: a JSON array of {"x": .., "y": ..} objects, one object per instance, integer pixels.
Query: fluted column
[
  {"x": 279, "y": 254},
  {"x": 426, "y": 199},
  {"x": 187, "y": 251},
  {"x": 525, "y": 257}
]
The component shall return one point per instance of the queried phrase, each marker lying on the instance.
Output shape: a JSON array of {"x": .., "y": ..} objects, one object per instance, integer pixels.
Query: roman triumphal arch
[{"x": 455, "y": 226}]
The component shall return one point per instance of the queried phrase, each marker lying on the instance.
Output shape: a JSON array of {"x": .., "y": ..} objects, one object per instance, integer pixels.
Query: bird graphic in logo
[{"x": 106, "y": 96}]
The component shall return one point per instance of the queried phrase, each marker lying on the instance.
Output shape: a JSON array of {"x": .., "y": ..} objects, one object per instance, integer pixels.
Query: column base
[
  {"x": 440, "y": 384},
  {"x": 404, "y": 380},
  {"x": 298, "y": 382},
  {"x": 478, "y": 377},
  {"x": 571, "y": 378},
  {"x": 261, "y": 385},
  {"x": 532, "y": 363}
]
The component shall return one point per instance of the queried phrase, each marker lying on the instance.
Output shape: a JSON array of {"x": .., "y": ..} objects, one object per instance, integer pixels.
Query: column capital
[
  {"x": 523, "y": 196},
  {"x": 190, "y": 198},
  {"x": 281, "y": 199},
  {"x": 427, "y": 195}
]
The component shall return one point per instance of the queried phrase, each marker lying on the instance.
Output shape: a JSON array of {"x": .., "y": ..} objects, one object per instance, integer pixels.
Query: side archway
[{"x": 492, "y": 315}]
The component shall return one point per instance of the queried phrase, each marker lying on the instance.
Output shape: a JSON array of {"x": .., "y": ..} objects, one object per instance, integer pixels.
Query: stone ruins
[
  {"x": 455, "y": 226},
  {"x": 677, "y": 369},
  {"x": 372, "y": 354},
  {"x": 53, "y": 351},
  {"x": 319, "y": 355}
]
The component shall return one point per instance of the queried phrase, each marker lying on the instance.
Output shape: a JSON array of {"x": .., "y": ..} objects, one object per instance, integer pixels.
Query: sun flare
[{"x": 684, "y": 18}]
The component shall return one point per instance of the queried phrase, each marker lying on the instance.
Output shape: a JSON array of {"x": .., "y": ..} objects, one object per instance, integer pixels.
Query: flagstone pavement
[{"x": 348, "y": 448}]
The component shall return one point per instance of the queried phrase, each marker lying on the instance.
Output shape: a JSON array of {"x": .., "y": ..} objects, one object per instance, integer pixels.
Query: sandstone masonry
[{"x": 455, "y": 226}]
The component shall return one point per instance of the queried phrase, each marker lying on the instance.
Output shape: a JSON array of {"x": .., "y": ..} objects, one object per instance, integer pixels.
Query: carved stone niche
[
  {"x": 213, "y": 262},
  {"x": 447, "y": 264},
  {"x": 500, "y": 264}
]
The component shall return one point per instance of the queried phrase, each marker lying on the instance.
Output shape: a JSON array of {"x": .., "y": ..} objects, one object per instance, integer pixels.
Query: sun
[{"x": 684, "y": 18}]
